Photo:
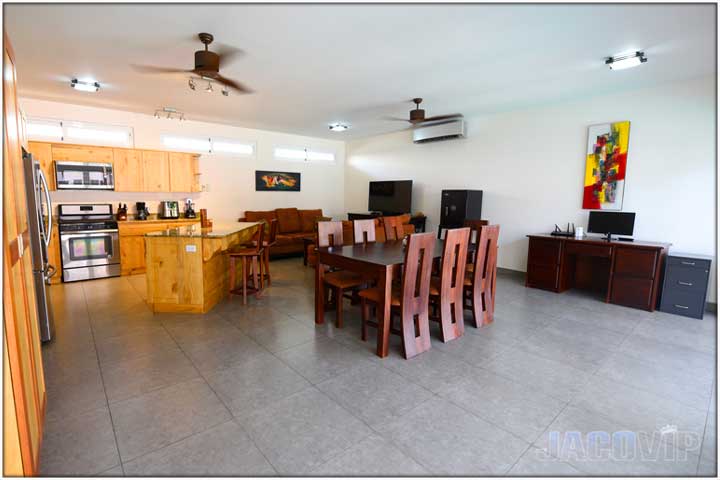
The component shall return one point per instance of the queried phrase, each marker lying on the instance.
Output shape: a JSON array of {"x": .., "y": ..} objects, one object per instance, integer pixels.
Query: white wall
[
  {"x": 530, "y": 165},
  {"x": 230, "y": 181}
]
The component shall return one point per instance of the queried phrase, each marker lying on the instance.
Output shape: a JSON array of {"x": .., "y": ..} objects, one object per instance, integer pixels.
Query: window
[
  {"x": 303, "y": 154},
  {"x": 79, "y": 132},
  {"x": 208, "y": 145}
]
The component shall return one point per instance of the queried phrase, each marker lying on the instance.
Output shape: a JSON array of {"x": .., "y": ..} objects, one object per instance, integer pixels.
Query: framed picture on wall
[
  {"x": 605, "y": 165},
  {"x": 267, "y": 181}
]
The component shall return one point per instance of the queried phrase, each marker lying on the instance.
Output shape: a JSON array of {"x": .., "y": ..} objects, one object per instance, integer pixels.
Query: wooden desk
[{"x": 627, "y": 273}]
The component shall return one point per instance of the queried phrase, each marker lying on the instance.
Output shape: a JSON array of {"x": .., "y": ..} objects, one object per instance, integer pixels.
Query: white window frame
[
  {"x": 125, "y": 134},
  {"x": 209, "y": 145},
  {"x": 251, "y": 145},
  {"x": 309, "y": 153}
]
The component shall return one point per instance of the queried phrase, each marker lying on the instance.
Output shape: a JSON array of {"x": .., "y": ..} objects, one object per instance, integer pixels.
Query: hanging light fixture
[{"x": 169, "y": 113}]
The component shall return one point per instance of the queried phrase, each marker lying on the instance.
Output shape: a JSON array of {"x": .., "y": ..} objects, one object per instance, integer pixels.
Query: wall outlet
[
  {"x": 205, "y": 187},
  {"x": 191, "y": 248}
]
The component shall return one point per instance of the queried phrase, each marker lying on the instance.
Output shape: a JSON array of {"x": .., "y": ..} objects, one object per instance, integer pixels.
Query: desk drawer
[
  {"x": 632, "y": 292},
  {"x": 576, "y": 248},
  {"x": 543, "y": 276},
  {"x": 635, "y": 262},
  {"x": 699, "y": 263},
  {"x": 688, "y": 304},
  {"x": 543, "y": 251},
  {"x": 686, "y": 279}
]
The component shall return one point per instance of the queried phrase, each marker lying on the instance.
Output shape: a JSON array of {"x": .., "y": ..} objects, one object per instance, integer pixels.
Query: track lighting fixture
[{"x": 170, "y": 114}]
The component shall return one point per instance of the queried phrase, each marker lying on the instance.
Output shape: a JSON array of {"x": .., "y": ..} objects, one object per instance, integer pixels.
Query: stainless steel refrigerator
[{"x": 40, "y": 224}]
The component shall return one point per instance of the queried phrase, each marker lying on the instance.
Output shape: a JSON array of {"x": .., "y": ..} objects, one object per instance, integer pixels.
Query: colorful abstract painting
[
  {"x": 605, "y": 166},
  {"x": 277, "y": 181}
]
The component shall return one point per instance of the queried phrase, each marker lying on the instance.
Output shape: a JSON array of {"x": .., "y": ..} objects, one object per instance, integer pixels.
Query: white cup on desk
[{"x": 579, "y": 232}]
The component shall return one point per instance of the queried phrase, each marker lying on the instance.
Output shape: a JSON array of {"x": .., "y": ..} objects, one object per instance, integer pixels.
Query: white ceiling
[{"x": 311, "y": 65}]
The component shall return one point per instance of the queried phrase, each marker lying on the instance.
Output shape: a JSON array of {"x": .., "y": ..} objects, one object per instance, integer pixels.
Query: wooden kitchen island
[{"x": 187, "y": 267}]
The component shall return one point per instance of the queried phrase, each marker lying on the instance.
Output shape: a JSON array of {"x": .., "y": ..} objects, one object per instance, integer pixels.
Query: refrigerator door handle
[
  {"x": 50, "y": 271},
  {"x": 49, "y": 207}
]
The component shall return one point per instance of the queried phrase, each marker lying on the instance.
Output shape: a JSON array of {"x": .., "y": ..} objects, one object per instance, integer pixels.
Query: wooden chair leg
[
  {"x": 267, "y": 265},
  {"x": 255, "y": 276},
  {"x": 260, "y": 262},
  {"x": 364, "y": 318},
  {"x": 232, "y": 277},
  {"x": 244, "y": 280},
  {"x": 338, "y": 307},
  {"x": 477, "y": 304}
]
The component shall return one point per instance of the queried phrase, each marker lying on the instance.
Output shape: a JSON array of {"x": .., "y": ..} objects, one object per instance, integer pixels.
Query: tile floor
[{"x": 260, "y": 390}]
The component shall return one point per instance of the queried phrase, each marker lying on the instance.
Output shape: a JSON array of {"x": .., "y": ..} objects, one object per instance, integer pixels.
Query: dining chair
[
  {"x": 475, "y": 226},
  {"x": 410, "y": 299},
  {"x": 330, "y": 234},
  {"x": 393, "y": 228},
  {"x": 364, "y": 231},
  {"x": 446, "y": 291},
  {"x": 479, "y": 290},
  {"x": 253, "y": 254}
]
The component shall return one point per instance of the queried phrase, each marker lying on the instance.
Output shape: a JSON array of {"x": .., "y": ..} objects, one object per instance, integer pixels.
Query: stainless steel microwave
[{"x": 84, "y": 176}]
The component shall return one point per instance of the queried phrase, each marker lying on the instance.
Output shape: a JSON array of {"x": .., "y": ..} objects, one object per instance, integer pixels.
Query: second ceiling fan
[{"x": 417, "y": 115}]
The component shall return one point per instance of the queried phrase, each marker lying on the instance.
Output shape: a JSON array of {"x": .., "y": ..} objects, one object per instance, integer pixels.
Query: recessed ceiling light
[
  {"x": 338, "y": 127},
  {"x": 85, "y": 86},
  {"x": 621, "y": 62}
]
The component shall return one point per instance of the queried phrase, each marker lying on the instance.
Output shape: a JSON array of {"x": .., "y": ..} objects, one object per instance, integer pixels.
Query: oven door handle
[{"x": 90, "y": 233}]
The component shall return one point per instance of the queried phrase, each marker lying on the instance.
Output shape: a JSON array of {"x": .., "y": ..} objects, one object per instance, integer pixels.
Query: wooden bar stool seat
[{"x": 251, "y": 262}]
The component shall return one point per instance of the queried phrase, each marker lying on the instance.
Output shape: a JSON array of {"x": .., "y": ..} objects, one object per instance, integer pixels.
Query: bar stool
[
  {"x": 447, "y": 290},
  {"x": 410, "y": 301},
  {"x": 330, "y": 234},
  {"x": 253, "y": 254},
  {"x": 479, "y": 290},
  {"x": 270, "y": 242}
]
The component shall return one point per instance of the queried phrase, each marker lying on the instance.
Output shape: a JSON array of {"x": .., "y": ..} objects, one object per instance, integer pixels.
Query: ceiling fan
[
  {"x": 207, "y": 65},
  {"x": 417, "y": 115}
]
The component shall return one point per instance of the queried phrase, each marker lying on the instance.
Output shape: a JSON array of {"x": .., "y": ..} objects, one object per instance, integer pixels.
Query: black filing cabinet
[{"x": 685, "y": 285}]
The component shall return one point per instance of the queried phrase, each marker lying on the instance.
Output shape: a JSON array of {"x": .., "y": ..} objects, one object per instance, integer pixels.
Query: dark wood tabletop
[{"x": 380, "y": 253}]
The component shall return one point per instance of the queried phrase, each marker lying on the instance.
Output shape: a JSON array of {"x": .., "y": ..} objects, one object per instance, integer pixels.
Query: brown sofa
[{"x": 293, "y": 226}]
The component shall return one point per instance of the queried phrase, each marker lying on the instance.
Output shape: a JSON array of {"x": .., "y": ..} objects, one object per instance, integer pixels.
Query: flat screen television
[
  {"x": 390, "y": 197},
  {"x": 608, "y": 223}
]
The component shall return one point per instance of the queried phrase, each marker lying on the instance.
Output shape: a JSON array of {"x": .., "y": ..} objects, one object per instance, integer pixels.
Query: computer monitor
[{"x": 619, "y": 223}]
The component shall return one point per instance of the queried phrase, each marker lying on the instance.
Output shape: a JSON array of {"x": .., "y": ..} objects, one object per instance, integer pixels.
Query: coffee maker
[
  {"x": 189, "y": 209},
  {"x": 142, "y": 211}
]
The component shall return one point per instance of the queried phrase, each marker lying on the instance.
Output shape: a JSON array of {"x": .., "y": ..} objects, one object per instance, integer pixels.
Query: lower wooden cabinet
[{"x": 132, "y": 242}]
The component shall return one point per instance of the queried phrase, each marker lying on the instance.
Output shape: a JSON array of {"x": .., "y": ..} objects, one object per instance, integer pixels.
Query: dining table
[{"x": 379, "y": 260}]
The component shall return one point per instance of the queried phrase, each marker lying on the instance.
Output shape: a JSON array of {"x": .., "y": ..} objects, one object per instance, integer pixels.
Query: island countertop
[{"x": 194, "y": 231}]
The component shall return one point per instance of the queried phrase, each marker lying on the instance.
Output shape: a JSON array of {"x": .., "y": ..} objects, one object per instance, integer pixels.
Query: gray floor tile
[
  {"x": 475, "y": 349},
  {"x": 670, "y": 383},
  {"x": 572, "y": 351},
  {"x": 323, "y": 358},
  {"x": 125, "y": 347},
  {"x": 224, "y": 450},
  {"x": 537, "y": 463},
  {"x": 278, "y": 335},
  {"x": 161, "y": 417},
  {"x": 679, "y": 331},
  {"x": 254, "y": 384},
  {"x": 191, "y": 329},
  {"x": 374, "y": 394},
  {"x": 553, "y": 378},
  {"x": 448, "y": 440},
  {"x": 433, "y": 369},
  {"x": 136, "y": 376},
  {"x": 115, "y": 471},
  {"x": 75, "y": 393},
  {"x": 301, "y": 432},
  {"x": 586, "y": 440},
  {"x": 371, "y": 457},
  {"x": 514, "y": 407},
  {"x": 670, "y": 356},
  {"x": 80, "y": 445},
  {"x": 226, "y": 352}
]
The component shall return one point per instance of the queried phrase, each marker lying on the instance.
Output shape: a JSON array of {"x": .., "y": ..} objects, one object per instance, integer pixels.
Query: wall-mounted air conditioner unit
[{"x": 436, "y": 132}]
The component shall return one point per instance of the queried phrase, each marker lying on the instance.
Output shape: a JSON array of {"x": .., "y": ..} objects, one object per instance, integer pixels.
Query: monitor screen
[
  {"x": 619, "y": 223},
  {"x": 390, "y": 196}
]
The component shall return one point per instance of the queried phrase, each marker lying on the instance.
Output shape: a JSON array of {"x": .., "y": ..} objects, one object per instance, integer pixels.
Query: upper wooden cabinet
[
  {"x": 156, "y": 171},
  {"x": 183, "y": 172},
  {"x": 128, "y": 170},
  {"x": 134, "y": 170}
]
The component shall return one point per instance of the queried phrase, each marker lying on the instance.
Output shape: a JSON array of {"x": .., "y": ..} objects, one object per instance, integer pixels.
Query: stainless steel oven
[
  {"x": 84, "y": 176},
  {"x": 89, "y": 242}
]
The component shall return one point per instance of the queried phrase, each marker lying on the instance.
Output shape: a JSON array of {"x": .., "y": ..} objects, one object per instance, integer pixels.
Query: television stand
[{"x": 417, "y": 222}]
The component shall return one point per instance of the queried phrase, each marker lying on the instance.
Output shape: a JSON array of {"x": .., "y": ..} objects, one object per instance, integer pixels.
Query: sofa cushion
[
  {"x": 288, "y": 220},
  {"x": 287, "y": 238},
  {"x": 258, "y": 216},
  {"x": 308, "y": 219}
]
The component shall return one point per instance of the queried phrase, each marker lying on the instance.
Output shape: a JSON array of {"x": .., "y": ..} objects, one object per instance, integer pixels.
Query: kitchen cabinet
[
  {"x": 183, "y": 172},
  {"x": 132, "y": 241},
  {"x": 156, "y": 170},
  {"x": 82, "y": 153},
  {"x": 43, "y": 154},
  {"x": 128, "y": 170}
]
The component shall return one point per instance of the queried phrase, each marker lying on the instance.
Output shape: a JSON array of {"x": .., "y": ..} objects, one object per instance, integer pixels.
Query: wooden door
[
  {"x": 156, "y": 171},
  {"x": 26, "y": 383},
  {"x": 43, "y": 153},
  {"x": 128, "y": 170},
  {"x": 183, "y": 170}
]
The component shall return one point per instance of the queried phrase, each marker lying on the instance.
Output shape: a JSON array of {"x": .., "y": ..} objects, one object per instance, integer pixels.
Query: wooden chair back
[
  {"x": 393, "y": 228},
  {"x": 259, "y": 237},
  {"x": 475, "y": 226},
  {"x": 452, "y": 282},
  {"x": 486, "y": 254},
  {"x": 364, "y": 231},
  {"x": 330, "y": 234},
  {"x": 415, "y": 294},
  {"x": 272, "y": 236}
]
